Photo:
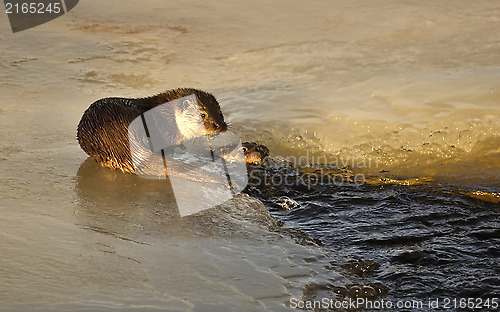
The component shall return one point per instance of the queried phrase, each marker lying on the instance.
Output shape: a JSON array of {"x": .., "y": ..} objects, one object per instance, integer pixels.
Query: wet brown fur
[{"x": 103, "y": 129}]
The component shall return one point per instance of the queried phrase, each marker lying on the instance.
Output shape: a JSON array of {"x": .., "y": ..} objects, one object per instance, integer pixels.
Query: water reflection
[{"x": 112, "y": 200}]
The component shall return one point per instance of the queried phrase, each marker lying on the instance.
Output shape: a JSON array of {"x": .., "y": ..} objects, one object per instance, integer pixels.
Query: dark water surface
[{"x": 424, "y": 242}]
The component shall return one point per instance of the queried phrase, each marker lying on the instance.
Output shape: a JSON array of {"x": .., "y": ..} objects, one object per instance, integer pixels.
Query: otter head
[
  {"x": 210, "y": 113},
  {"x": 198, "y": 114},
  {"x": 254, "y": 153}
]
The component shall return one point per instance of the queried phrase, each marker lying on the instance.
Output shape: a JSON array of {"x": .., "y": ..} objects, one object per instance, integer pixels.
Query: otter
[{"x": 104, "y": 135}]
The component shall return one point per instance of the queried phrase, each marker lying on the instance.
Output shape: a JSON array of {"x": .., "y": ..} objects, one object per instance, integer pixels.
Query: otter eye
[
  {"x": 203, "y": 115},
  {"x": 244, "y": 149}
]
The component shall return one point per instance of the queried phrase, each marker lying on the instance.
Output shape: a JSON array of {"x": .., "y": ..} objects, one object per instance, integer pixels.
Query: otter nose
[{"x": 220, "y": 126}]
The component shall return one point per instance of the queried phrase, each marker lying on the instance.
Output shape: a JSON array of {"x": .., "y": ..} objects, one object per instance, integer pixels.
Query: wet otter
[{"x": 104, "y": 135}]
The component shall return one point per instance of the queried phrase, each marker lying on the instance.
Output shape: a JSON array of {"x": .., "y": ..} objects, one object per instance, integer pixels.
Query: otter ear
[{"x": 185, "y": 105}]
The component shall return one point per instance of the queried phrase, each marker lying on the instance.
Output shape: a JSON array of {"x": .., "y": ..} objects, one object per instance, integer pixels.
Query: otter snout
[
  {"x": 213, "y": 126},
  {"x": 221, "y": 127}
]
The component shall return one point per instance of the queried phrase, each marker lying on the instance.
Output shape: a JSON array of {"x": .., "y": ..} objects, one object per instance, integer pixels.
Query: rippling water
[
  {"x": 402, "y": 94},
  {"x": 427, "y": 241}
]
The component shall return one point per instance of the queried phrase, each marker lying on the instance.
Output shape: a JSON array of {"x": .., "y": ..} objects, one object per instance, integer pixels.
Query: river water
[{"x": 402, "y": 94}]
